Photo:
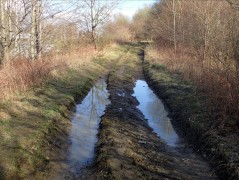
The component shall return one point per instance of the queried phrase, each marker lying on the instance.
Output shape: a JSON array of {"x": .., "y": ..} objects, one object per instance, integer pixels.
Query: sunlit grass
[{"x": 37, "y": 109}]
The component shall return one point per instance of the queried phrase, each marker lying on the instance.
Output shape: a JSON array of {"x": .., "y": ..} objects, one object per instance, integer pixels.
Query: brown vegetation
[
  {"x": 219, "y": 86},
  {"x": 22, "y": 74},
  {"x": 38, "y": 38},
  {"x": 117, "y": 30},
  {"x": 200, "y": 40}
]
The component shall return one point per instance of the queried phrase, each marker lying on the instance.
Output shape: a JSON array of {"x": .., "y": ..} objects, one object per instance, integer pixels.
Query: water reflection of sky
[
  {"x": 153, "y": 110},
  {"x": 85, "y": 124}
]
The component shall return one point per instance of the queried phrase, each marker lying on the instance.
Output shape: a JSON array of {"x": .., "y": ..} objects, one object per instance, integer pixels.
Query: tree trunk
[
  {"x": 174, "y": 28},
  {"x": 5, "y": 48},
  {"x": 38, "y": 29},
  {"x": 93, "y": 26},
  {"x": 2, "y": 29},
  {"x": 8, "y": 32},
  {"x": 33, "y": 30},
  {"x": 93, "y": 38}
]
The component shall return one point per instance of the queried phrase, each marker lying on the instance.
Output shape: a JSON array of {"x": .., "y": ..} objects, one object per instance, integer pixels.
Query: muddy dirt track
[{"x": 127, "y": 147}]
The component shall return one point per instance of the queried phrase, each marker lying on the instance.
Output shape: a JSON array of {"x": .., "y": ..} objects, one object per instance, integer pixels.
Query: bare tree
[
  {"x": 39, "y": 29},
  {"x": 140, "y": 23},
  {"x": 36, "y": 29},
  {"x": 3, "y": 31},
  {"x": 207, "y": 33},
  {"x": 13, "y": 18},
  {"x": 95, "y": 13},
  {"x": 33, "y": 29},
  {"x": 174, "y": 28},
  {"x": 6, "y": 29}
]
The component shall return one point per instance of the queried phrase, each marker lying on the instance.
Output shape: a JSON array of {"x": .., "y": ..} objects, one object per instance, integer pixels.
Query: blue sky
[
  {"x": 126, "y": 7},
  {"x": 129, "y": 7}
]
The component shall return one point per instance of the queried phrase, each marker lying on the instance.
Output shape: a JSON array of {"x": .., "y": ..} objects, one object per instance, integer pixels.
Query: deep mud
[{"x": 127, "y": 147}]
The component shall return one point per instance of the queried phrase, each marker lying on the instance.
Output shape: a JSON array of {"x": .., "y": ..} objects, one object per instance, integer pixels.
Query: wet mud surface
[{"x": 129, "y": 149}]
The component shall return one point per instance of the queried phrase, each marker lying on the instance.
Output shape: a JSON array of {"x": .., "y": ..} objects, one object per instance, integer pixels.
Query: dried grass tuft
[
  {"x": 21, "y": 74},
  {"x": 215, "y": 79}
]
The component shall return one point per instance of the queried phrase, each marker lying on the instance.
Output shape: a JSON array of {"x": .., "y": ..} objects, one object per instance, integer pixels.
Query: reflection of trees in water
[
  {"x": 153, "y": 109},
  {"x": 158, "y": 115},
  {"x": 85, "y": 125},
  {"x": 99, "y": 99}
]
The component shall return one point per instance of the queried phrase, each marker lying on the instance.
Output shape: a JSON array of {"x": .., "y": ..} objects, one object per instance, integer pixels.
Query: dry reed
[
  {"x": 22, "y": 74},
  {"x": 216, "y": 80}
]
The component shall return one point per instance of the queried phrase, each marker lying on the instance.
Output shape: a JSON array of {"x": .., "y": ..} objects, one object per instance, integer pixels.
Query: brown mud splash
[{"x": 127, "y": 147}]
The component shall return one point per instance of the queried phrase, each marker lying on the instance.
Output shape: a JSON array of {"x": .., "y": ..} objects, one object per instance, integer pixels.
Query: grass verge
[
  {"x": 192, "y": 119},
  {"x": 34, "y": 124}
]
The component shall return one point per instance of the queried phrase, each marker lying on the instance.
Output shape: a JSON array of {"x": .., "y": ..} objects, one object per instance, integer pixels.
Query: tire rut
[{"x": 127, "y": 146}]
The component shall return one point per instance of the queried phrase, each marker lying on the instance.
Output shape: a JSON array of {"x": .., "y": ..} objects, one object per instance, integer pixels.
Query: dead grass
[
  {"x": 36, "y": 119},
  {"x": 78, "y": 57},
  {"x": 22, "y": 74},
  {"x": 215, "y": 79}
]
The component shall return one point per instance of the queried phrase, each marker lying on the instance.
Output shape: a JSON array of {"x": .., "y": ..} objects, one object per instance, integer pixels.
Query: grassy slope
[
  {"x": 190, "y": 116},
  {"x": 33, "y": 123}
]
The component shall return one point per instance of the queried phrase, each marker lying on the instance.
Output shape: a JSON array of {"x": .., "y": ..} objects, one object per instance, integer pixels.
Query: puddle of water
[
  {"x": 153, "y": 109},
  {"x": 85, "y": 124}
]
